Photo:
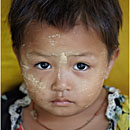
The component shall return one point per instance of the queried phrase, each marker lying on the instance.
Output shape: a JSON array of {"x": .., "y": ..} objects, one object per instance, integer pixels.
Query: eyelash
[
  {"x": 79, "y": 66},
  {"x": 39, "y": 65},
  {"x": 85, "y": 66}
]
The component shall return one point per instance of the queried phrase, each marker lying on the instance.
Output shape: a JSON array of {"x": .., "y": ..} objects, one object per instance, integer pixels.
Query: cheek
[
  {"x": 90, "y": 80},
  {"x": 88, "y": 88},
  {"x": 31, "y": 78},
  {"x": 37, "y": 89},
  {"x": 33, "y": 83},
  {"x": 87, "y": 93}
]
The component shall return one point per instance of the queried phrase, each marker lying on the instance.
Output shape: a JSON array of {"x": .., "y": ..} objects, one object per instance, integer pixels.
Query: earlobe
[{"x": 113, "y": 58}]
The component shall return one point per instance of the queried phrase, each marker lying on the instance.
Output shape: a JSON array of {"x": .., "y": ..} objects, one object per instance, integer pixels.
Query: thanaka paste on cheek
[
  {"x": 24, "y": 67},
  {"x": 84, "y": 88},
  {"x": 38, "y": 84}
]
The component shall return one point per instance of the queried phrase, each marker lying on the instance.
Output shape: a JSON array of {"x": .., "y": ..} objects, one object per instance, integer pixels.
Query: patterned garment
[{"x": 113, "y": 112}]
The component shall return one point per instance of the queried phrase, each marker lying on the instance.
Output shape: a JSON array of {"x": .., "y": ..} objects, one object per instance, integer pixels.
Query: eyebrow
[
  {"x": 41, "y": 54},
  {"x": 84, "y": 54},
  {"x": 70, "y": 55}
]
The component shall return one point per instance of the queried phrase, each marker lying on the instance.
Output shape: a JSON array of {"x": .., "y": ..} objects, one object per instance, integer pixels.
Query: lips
[{"x": 62, "y": 102}]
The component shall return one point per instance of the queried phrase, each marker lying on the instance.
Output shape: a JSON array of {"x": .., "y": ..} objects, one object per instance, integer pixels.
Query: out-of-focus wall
[
  {"x": 119, "y": 76},
  {"x": 11, "y": 73}
]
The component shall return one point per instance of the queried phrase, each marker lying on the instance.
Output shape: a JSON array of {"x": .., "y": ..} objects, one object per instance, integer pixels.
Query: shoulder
[
  {"x": 123, "y": 123},
  {"x": 117, "y": 109},
  {"x": 10, "y": 97},
  {"x": 7, "y": 99}
]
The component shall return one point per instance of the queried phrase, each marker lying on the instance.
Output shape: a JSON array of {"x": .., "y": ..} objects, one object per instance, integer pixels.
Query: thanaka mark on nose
[{"x": 63, "y": 60}]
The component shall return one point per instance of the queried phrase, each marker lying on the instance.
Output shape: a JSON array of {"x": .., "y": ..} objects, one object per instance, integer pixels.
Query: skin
[
  {"x": 82, "y": 87},
  {"x": 63, "y": 60},
  {"x": 52, "y": 38}
]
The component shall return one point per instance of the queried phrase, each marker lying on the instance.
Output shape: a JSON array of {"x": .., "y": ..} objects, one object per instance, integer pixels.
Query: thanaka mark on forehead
[
  {"x": 54, "y": 36},
  {"x": 63, "y": 58},
  {"x": 52, "y": 40}
]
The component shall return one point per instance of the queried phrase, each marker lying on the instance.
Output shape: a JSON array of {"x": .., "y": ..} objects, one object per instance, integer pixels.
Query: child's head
[
  {"x": 63, "y": 47},
  {"x": 104, "y": 16}
]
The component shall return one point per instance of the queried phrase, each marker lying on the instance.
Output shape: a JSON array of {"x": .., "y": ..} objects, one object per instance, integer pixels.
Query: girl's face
[{"x": 63, "y": 71}]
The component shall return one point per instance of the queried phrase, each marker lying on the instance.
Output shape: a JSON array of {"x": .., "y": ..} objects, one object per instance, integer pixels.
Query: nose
[{"x": 61, "y": 82}]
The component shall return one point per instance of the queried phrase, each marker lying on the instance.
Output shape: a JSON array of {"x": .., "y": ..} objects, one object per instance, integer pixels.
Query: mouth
[{"x": 62, "y": 102}]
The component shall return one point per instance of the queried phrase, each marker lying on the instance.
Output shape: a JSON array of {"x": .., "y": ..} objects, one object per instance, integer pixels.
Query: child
[{"x": 65, "y": 49}]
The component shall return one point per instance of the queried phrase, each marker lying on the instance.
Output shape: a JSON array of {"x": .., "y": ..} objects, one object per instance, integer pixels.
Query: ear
[{"x": 113, "y": 58}]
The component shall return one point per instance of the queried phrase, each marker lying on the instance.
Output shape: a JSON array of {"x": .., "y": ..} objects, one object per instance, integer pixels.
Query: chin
[{"x": 63, "y": 112}]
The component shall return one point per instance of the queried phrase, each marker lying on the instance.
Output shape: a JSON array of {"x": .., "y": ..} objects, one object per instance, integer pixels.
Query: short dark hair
[{"x": 104, "y": 16}]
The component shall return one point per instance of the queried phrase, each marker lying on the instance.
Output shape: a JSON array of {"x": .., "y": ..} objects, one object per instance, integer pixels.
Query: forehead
[
  {"x": 53, "y": 32},
  {"x": 51, "y": 39}
]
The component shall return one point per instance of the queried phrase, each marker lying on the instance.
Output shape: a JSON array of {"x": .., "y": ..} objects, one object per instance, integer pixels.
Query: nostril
[
  {"x": 62, "y": 87},
  {"x": 68, "y": 88}
]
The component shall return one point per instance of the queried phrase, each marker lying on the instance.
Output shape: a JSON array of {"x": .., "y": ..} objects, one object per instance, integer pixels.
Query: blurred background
[{"x": 11, "y": 77}]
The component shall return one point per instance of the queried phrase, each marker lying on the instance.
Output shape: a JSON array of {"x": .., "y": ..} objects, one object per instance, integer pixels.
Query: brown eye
[
  {"x": 81, "y": 66},
  {"x": 43, "y": 65}
]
